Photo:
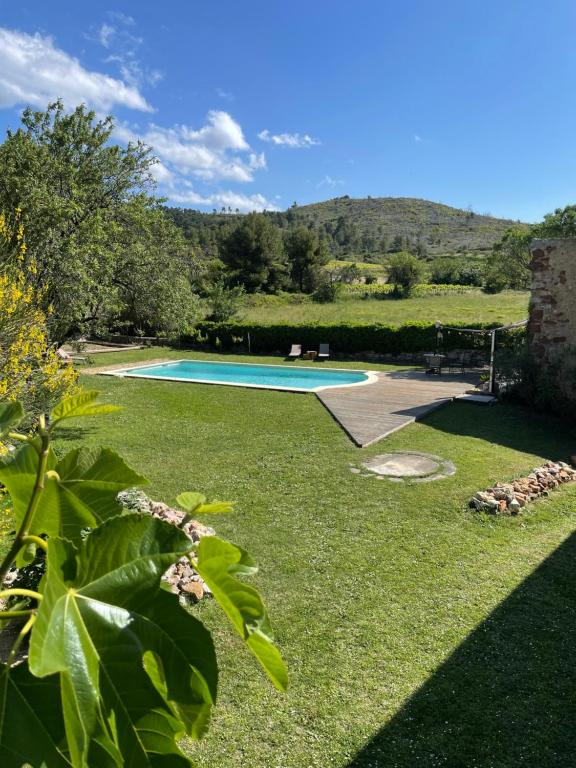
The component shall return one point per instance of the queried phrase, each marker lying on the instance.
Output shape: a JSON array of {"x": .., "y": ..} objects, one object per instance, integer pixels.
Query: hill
[
  {"x": 441, "y": 228},
  {"x": 367, "y": 228}
]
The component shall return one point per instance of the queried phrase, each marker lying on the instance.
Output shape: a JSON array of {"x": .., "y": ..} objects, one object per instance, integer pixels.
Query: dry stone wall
[{"x": 552, "y": 314}]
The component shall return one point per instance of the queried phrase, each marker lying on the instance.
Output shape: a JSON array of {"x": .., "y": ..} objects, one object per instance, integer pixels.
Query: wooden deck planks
[{"x": 371, "y": 412}]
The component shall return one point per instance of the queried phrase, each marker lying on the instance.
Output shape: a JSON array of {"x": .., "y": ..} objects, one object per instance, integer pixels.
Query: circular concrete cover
[
  {"x": 402, "y": 465},
  {"x": 421, "y": 467}
]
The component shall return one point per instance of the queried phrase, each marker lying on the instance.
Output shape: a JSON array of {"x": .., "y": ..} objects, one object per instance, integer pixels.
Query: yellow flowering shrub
[{"x": 30, "y": 369}]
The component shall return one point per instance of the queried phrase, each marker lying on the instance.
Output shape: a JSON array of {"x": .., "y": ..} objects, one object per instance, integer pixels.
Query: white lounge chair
[
  {"x": 324, "y": 352},
  {"x": 66, "y": 357},
  {"x": 295, "y": 351}
]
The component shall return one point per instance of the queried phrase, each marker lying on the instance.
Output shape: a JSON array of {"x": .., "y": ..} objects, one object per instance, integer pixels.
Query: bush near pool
[{"x": 345, "y": 338}]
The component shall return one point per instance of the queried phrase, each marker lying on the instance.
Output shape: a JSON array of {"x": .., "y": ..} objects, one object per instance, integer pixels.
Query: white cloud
[
  {"x": 292, "y": 140},
  {"x": 161, "y": 174},
  {"x": 105, "y": 34},
  {"x": 115, "y": 36},
  {"x": 214, "y": 152},
  {"x": 257, "y": 161},
  {"x": 34, "y": 71},
  {"x": 226, "y": 95},
  {"x": 228, "y": 199},
  {"x": 418, "y": 139},
  {"x": 123, "y": 18},
  {"x": 328, "y": 181}
]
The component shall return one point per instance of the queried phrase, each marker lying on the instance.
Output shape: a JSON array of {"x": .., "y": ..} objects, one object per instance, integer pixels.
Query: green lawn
[
  {"x": 417, "y": 633},
  {"x": 473, "y": 307}
]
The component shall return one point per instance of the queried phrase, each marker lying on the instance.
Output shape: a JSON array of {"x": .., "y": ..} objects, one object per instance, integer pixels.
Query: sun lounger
[
  {"x": 295, "y": 350},
  {"x": 324, "y": 352},
  {"x": 66, "y": 357}
]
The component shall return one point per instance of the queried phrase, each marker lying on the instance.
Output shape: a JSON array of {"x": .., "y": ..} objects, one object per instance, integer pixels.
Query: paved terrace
[{"x": 373, "y": 411}]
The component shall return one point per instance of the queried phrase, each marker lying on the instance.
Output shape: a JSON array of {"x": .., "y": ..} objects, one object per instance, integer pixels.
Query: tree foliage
[
  {"x": 507, "y": 265},
  {"x": 255, "y": 256},
  {"x": 307, "y": 254},
  {"x": 117, "y": 670},
  {"x": 405, "y": 271},
  {"x": 224, "y": 303},
  {"x": 30, "y": 369},
  {"x": 561, "y": 223},
  {"x": 450, "y": 270},
  {"x": 151, "y": 271},
  {"x": 77, "y": 189}
]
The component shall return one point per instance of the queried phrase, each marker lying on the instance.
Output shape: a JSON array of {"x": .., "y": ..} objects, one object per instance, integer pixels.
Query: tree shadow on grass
[
  {"x": 507, "y": 696},
  {"x": 69, "y": 434},
  {"x": 509, "y": 425}
]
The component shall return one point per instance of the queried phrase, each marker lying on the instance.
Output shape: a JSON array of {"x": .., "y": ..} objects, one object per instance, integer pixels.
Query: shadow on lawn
[
  {"x": 509, "y": 425},
  {"x": 506, "y": 696},
  {"x": 74, "y": 434}
]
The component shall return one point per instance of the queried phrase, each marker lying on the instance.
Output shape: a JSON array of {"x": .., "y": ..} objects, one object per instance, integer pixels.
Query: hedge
[{"x": 344, "y": 338}]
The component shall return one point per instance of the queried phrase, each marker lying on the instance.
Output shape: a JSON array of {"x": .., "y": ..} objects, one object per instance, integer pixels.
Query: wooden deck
[{"x": 371, "y": 412}]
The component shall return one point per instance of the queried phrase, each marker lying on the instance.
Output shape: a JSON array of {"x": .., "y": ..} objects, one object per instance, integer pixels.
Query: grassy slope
[
  {"x": 371, "y": 585},
  {"x": 464, "y": 308}
]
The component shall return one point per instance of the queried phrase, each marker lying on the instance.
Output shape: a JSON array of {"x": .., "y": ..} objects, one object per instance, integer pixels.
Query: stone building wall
[{"x": 552, "y": 313}]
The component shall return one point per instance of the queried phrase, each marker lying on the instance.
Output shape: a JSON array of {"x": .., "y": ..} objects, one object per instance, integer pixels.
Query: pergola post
[{"x": 492, "y": 350}]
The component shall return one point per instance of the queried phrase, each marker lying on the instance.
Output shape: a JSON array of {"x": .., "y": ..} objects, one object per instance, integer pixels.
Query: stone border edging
[{"x": 510, "y": 498}]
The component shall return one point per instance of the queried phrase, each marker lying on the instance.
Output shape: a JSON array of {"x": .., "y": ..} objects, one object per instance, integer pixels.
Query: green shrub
[
  {"x": 327, "y": 292},
  {"x": 550, "y": 387},
  {"x": 405, "y": 271}
]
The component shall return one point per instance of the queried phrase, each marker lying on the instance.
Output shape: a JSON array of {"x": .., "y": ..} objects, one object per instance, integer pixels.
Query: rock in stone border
[
  {"x": 181, "y": 577},
  {"x": 510, "y": 498}
]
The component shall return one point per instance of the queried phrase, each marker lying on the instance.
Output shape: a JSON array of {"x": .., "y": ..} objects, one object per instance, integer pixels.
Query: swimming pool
[{"x": 291, "y": 378}]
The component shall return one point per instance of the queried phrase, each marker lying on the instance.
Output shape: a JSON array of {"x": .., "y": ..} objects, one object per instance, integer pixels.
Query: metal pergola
[{"x": 479, "y": 331}]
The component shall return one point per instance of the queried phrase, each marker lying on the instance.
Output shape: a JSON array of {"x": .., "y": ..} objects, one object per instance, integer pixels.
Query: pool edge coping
[{"x": 124, "y": 372}]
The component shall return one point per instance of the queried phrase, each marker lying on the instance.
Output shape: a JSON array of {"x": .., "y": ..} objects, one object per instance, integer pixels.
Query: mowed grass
[
  {"x": 416, "y": 632},
  {"x": 474, "y": 307}
]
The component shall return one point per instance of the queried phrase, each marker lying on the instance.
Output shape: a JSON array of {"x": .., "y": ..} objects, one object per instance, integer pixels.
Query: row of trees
[{"x": 342, "y": 237}]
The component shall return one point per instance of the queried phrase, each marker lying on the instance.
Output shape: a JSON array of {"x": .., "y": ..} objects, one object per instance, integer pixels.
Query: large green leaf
[
  {"x": 80, "y": 405},
  {"x": 136, "y": 670},
  {"x": 10, "y": 415},
  {"x": 31, "y": 724},
  {"x": 218, "y": 563},
  {"x": 79, "y": 491}
]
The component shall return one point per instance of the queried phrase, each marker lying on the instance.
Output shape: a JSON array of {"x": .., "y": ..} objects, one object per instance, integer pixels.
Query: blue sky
[{"x": 258, "y": 104}]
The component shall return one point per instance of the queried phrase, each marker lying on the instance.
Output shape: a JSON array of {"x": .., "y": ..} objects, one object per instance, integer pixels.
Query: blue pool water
[{"x": 246, "y": 374}]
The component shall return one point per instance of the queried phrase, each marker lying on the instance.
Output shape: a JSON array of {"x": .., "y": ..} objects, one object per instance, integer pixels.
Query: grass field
[
  {"x": 474, "y": 307},
  {"x": 417, "y": 633}
]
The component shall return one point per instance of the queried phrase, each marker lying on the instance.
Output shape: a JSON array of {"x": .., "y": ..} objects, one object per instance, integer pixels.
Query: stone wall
[{"x": 552, "y": 314}]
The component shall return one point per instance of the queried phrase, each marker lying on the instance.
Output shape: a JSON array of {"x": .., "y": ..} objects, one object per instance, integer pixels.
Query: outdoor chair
[
  {"x": 295, "y": 351},
  {"x": 66, "y": 357},
  {"x": 454, "y": 361},
  {"x": 434, "y": 364},
  {"x": 324, "y": 352},
  {"x": 466, "y": 359}
]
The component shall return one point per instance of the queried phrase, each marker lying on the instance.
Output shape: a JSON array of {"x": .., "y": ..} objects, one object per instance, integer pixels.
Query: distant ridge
[
  {"x": 368, "y": 227},
  {"x": 444, "y": 229}
]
